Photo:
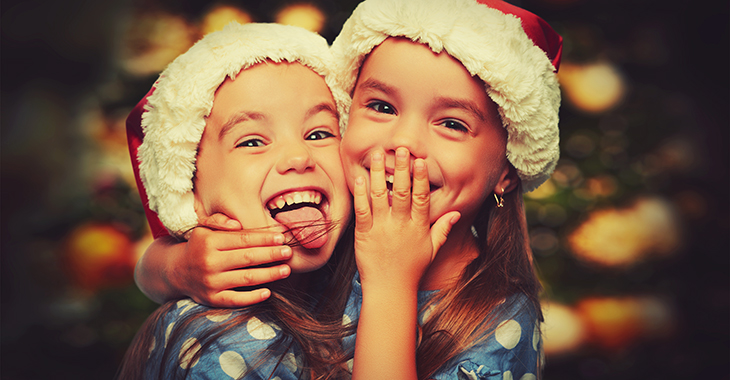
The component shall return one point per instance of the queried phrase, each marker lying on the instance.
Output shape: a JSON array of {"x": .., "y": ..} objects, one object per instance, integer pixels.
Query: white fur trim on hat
[
  {"x": 490, "y": 44},
  {"x": 174, "y": 117}
]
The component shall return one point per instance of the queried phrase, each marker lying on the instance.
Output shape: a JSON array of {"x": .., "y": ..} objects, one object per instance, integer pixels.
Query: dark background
[{"x": 68, "y": 81}]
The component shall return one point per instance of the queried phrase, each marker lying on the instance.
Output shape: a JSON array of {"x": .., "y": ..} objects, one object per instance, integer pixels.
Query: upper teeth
[
  {"x": 295, "y": 197},
  {"x": 389, "y": 178}
]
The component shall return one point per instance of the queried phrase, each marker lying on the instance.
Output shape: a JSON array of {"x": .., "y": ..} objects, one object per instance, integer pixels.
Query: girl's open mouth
[{"x": 303, "y": 212}]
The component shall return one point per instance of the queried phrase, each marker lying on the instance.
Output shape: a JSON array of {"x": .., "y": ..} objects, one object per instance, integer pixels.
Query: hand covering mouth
[{"x": 303, "y": 214}]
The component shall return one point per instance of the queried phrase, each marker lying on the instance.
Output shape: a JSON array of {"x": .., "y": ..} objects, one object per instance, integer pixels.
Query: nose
[
  {"x": 410, "y": 133},
  {"x": 295, "y": 156}
]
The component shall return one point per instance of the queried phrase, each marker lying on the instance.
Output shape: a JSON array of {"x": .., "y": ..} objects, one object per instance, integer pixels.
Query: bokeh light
[
  {"x": 563, "y": 329},
  {"x": 303, "y": 15},
  {"x": 593, "y": 88},
  {"x": 222, "y": 15},
  {"x": 616, "y": 323},
  {"x": 546, "y": 190},
  {"x": 621, "y": 237},
  {"x": 99, "y": 255},
  {"x": 153, "y": 40}
]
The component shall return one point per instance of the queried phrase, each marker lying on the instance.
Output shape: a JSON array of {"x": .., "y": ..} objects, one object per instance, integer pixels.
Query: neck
[{"x": 459, "y": 250}]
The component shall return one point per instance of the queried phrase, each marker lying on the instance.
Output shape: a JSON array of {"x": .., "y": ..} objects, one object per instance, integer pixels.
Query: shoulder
[
  {"x": 511, "y": 349},
  {"x": 189, "y": 338}
]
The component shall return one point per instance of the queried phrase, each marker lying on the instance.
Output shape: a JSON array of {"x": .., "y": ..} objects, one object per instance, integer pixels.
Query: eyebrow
[
  {"x": 324, "y": 106},
  {"x": 466, "y": 105},
  {"x": 238, "y": 118},
  {"x": 446, "y": 102},
  {"x": 245, "y": 116},
  {"x": 374, "y": 84}
]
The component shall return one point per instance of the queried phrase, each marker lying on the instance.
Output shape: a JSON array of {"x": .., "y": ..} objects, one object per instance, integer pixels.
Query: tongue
[{"x": 307, "y": 224}]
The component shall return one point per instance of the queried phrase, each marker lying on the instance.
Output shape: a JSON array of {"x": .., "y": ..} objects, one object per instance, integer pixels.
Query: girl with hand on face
[
  {"x": 454, "y": 114},
  {"x": 245, "y": 126}
]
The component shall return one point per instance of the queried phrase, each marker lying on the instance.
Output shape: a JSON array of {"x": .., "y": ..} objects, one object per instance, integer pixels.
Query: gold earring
[{"x": 500, "y": 200}]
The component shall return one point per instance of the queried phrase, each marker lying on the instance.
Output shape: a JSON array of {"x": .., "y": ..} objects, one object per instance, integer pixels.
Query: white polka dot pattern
[
  {"x": 508, "y": 334},
  {"x": 507, "y": 375},
  {"x": 536, "y": 336},
  {"x": 427, "y": 314},
  {"x": 152, "y": 346},
  {"x": 232, "y": 364},
  {"x": 218, "y": 317},
  {"x": 186, "y": 355},
  {"x": 528, "y": 376},
  {"x": 167, "y": 332},
  {"x": 185, "y": 305},
  {"x": 290, "y": 362},
  {"x": 259, "y": 330},
  {"x": 346, "y": 320}
]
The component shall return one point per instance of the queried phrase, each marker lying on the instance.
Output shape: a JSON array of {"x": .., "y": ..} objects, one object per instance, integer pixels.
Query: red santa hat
[
  {"x": 514, "y": 52},
  {"x": 174, "y": 115}
]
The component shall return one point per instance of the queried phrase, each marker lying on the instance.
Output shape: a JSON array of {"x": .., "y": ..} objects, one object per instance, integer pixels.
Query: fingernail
[
  {"x": 285, "y": 251},
  {"x": 377, "y": 156},
  {"x": 284, "y": 271},
  {"x": 401, "y": 152},
  {"x": 455, "y": 219},
  {"x": 359, "y": 181},
  {"x": 419, "y": 164},
  {"x": 279, "y": 239},
  {"x": 265, "y": 293}
]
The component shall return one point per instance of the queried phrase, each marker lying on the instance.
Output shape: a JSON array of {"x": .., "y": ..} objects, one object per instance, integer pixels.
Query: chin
[{"x": 308, "y": 260}]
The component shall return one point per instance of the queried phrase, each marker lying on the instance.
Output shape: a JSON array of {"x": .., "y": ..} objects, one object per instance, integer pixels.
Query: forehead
[
  {"x": 270, "y": 77},
  {"x": 399, "y": 53},
  {"x": 268, "y": 89}
]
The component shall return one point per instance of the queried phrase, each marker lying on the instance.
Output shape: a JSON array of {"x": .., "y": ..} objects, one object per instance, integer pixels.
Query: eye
[
  {"x": 455, "y": 125},
  {"x": 381, "y": 107},
  {"x": 319, "y": 135},
  {"x": 250, "y": 143}
]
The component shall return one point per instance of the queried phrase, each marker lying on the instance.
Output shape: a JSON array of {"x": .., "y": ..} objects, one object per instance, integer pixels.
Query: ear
[{"x": 507, "y": 180}]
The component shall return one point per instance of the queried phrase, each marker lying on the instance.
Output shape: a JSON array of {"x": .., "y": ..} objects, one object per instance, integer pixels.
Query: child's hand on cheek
[
  {"x": 394, "y": 244},
  {"x": 219, "y": 257}
]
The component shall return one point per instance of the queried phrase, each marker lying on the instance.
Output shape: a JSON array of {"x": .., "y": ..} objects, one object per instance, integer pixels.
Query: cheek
[{"x": 352, "y": 151}]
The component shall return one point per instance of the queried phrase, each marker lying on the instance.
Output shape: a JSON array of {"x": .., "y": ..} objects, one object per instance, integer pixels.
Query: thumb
[
  {"x": 220, "y": 221},
  {"x": 440, "y": 230}
]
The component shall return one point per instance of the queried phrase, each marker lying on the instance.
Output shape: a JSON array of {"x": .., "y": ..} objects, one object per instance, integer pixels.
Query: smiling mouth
[
  {"x": 303, "y": 214},
  {"x": 294, "y": 200}
]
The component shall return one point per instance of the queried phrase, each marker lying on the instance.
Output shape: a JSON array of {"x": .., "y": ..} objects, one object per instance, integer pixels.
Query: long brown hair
[
  {"x": 467, "y": 312},
  {"x": 316, "y": 331}
]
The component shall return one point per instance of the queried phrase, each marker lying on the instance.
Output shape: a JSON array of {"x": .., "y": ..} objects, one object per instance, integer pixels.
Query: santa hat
[
  {"x": 174, "y": 116},
  {"x": 514, "y": 52}
]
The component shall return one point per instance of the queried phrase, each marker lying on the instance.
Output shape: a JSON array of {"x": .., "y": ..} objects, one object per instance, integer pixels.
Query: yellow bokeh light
[
  {"x": 593, "y": 88},
  {"x": 563, "y": 330},
  {"x": 616, "y": 323},
  {"x": 303, "y": 15},
  {"x": 602, "y": 186},
  {"x": 546, "y": 190},
  {"x": 222, "y": 15},
  {"x": 617, "y": 238},
  {"x": 152, "y": 41}
]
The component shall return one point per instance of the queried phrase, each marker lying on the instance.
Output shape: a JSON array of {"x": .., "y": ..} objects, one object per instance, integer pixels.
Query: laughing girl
[{"x": 245, "y": 125}]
